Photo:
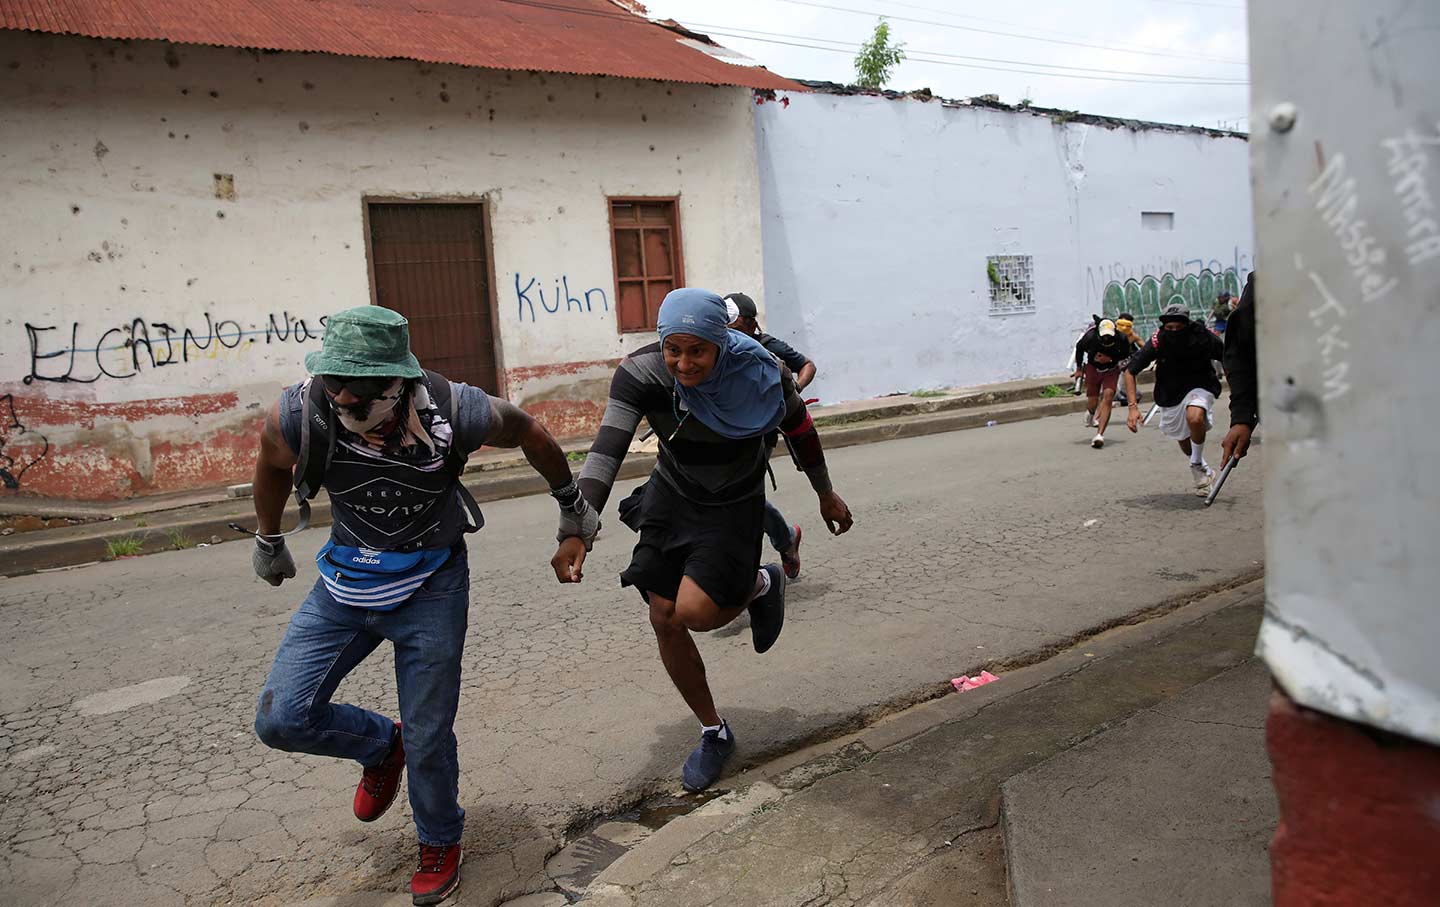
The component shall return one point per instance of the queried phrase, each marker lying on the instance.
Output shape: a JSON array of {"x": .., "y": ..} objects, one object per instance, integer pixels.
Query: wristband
[
  {"x": 567, "y": 497},
  {"x": 271, "y": 548}
]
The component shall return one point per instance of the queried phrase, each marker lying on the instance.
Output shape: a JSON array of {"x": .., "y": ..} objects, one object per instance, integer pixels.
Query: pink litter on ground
[{"x": 963, "y": 683}]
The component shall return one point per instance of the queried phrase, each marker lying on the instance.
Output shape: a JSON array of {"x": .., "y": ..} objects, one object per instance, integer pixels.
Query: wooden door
[{"x": 431, "y": 265}]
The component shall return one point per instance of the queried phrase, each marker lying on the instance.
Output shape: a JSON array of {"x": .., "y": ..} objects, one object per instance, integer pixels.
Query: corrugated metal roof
[{"x": 586, "y": 37}]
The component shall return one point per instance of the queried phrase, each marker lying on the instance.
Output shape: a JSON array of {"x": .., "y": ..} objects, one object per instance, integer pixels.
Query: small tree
[{"x": 878, "y": 57}]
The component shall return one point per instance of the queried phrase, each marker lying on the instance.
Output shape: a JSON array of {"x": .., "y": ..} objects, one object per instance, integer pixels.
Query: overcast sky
[{"x": 1199, "y": 42}]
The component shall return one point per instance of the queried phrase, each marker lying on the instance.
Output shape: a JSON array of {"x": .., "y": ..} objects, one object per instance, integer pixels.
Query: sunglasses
[{"x": 364, "y": 388}]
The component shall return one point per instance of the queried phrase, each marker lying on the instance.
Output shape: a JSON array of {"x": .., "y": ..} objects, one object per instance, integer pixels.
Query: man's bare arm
[
  {"x": 806, "y": 375},
  {"x": 511, "y": 426},
  {"x": 274, "y": 467}
]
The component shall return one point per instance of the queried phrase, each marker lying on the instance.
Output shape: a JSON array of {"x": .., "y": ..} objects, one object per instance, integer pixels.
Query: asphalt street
[{"x": 132, "y": 774}]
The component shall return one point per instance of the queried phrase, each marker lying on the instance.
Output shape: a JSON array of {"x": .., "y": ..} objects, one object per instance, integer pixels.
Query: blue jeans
[
  {"x": 326, "y": 640},
  {"x": 778, "y": 529}
]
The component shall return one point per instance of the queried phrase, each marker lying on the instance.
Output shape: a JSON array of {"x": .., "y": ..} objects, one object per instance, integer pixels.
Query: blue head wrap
[{"x": 741, "y": 397}]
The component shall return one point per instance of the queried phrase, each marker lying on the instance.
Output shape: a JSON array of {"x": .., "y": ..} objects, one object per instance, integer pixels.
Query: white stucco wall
[
  {"x": 107, "y": 172},
  {"x": 878, "y": 216}
]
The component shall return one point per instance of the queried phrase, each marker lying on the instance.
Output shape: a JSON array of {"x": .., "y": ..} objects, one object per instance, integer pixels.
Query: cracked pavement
[{"x": 133, "y": 774}]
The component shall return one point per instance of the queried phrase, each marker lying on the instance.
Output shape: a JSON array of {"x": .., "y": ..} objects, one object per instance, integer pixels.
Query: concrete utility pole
[{"x": 1346, "y": 169}]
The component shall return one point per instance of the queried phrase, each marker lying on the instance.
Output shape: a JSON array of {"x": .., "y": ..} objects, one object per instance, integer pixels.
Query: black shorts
[{"x": 717, "y": 546}]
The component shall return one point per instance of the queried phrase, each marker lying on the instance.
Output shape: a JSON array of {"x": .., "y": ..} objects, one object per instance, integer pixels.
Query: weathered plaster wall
[
  {"x": 878, "y": 216},
  {"x": 114, "y": 233}
]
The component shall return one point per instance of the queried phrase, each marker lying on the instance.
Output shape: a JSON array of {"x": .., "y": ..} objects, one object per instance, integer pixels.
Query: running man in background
[
  {"x": 711, "y": 395},
  {"x": 1220, "y": 313},
  {"x": 1241, "y": 373},
  {"x": 1125, "y": 324},
  {"x": 784, "y": 535},
  {"x": 1185, "y": 385},
  {"x": 1097, "y": 357}
]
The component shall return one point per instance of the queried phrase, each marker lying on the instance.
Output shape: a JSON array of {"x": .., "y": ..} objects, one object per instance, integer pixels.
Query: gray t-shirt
[{"x": 396, "y": 498}]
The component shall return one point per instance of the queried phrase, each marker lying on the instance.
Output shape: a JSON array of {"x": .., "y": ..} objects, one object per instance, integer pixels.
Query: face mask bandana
[
  {"x": 1179, "y": 342},
  {"x": 371, "y": 414}
]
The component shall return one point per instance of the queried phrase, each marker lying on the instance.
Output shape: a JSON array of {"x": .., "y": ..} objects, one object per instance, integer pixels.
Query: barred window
[{"x": 1012, "y": 284}]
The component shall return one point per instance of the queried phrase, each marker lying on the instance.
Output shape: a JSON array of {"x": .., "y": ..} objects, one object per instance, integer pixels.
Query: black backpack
[{"x": 317, "y": 446}]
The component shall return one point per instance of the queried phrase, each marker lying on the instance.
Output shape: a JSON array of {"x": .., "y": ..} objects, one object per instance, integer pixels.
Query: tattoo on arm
[
  {"x": 511, "y": 426},
  {"x": 275, "y": 452},
  {"x": 508, "y": 424}
]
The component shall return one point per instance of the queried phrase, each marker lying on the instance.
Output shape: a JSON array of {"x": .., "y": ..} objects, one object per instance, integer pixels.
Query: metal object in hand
[{"x": 1220, "y": 480}]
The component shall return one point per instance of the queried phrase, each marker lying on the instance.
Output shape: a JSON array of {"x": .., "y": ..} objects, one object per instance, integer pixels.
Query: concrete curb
[
  {"x": 766, "y": 784},
  {"x": 205, "y": 524}
]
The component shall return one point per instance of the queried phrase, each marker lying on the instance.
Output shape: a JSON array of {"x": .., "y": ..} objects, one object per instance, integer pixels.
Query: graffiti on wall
[
  {"x": 1146, "y": 290},
  {"x": 20, "y": 448},
  {"x": 560, "y": 298},
  {"x": 86, "y": 354},
  {"x": 1101, "y": 276},
  {"x": 1144, "y": 298}
]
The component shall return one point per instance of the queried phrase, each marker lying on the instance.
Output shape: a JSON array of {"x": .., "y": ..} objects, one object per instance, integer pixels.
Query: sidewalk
[
  {"x": 185, "y": 519},
  {"x": 1127, "y": 770}
]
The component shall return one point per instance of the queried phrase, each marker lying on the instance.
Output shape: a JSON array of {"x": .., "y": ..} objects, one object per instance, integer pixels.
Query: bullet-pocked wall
[
  {"x": 179, "y": 220},
  {"x": 917, "y": 244}
]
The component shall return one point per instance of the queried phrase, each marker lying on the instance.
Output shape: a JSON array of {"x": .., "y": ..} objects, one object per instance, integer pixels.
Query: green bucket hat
[{"x": 367, "y": 341}]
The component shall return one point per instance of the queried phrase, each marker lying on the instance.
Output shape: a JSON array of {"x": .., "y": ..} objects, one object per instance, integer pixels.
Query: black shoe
[
  {"x": 767, "y": 613},
  {"x": 704, "y": 765}
]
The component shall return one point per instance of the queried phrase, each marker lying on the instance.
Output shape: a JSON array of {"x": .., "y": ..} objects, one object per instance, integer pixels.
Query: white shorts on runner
[{"x": 1172, "y": 418}]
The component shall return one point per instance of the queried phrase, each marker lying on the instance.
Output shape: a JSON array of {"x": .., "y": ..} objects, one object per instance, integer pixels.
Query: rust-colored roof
[{"x": 587, "y": 37}]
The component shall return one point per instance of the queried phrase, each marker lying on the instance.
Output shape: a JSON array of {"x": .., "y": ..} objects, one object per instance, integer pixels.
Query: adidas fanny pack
[{"x": 376, "y": 580}]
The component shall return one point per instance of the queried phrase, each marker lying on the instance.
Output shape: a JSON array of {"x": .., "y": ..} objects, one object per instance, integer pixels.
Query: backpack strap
[
  {"x": 317, "y": 442},
  {"x": 317, "y": 447},
  {"x": 444, "y": 400}
]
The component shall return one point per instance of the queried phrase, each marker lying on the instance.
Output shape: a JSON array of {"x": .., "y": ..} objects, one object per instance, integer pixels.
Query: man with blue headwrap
[{"x": 711, "y": 395}]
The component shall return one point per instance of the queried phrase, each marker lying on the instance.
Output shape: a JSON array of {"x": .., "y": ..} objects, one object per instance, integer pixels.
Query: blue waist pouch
[{"x": 373, "y": 579}]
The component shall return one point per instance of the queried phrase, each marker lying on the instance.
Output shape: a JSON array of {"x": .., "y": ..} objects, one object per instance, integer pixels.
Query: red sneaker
[
  {"x": 379, "y": 785},
  {"x": 790, "y": 558},
  {"x": 438, "y": 875}
]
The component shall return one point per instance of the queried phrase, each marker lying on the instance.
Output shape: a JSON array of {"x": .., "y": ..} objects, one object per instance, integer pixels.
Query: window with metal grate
[{"x": 1012, "y": 284}]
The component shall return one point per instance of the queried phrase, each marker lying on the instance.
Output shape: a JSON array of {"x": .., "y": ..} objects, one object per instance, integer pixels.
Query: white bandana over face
[{"x": 367, "y": 417}]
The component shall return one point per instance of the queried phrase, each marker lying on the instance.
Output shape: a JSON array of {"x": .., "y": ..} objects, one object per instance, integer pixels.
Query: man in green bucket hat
[{"x": 388, "y": 441}]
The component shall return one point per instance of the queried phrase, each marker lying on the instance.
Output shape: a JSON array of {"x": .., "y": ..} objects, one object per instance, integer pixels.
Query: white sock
[
  {"x": 1197, "y": 453},
  {"x": 762, "y": 584},
  {"x": 722, "y": 729}
]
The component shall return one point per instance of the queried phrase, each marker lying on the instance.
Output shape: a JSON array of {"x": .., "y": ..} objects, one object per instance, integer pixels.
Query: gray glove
[
  {"x": 272, "y": 561},
  {"x": 577, "y": 518}
]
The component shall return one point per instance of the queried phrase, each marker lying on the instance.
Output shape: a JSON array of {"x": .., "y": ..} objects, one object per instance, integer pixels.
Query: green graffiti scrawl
[{"x": 1144, "y": 298}]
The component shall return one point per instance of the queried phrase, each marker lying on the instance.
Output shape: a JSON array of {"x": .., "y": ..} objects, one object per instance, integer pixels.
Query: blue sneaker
[
  {"x": 767, "y": 613},
  {"x": 705, "y": 763}
]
